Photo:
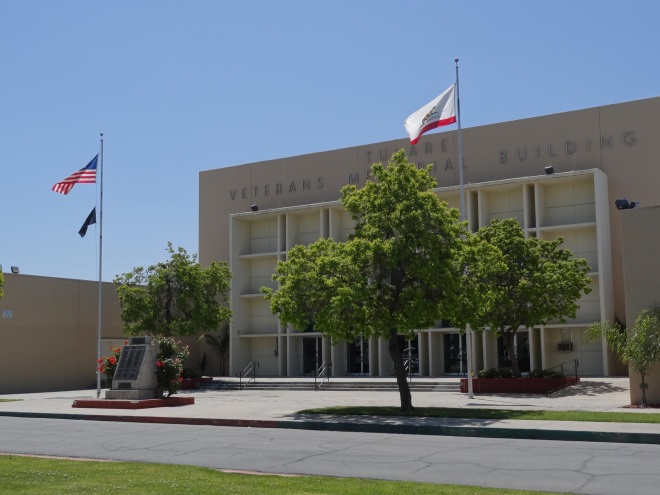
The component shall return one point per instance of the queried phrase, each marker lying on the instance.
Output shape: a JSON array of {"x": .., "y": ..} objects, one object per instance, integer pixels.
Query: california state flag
[{"x": 441, "y": 111}]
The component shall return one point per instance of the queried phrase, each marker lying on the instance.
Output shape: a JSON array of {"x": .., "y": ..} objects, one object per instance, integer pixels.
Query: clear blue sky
[{"x": 179, "y": 87}]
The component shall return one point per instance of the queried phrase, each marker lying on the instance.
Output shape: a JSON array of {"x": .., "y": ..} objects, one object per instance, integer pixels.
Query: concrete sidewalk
[{"x": 279, "y": 409}]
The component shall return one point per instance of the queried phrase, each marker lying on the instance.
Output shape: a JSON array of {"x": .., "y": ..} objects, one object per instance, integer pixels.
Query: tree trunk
[
  {"x": 643, "y": 404},
  {"x": 510, "y": 342},
  {"x": 400, "y": 372}
]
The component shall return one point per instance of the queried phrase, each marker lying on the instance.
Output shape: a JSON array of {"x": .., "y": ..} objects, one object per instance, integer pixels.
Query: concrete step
[{"x": 347, "y": 386}]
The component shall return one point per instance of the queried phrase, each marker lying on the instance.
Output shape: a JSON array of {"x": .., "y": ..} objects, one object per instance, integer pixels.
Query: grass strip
[
  {"x": 465, "y": 413},
  {"x": 10, "y": 400},
  {"x": 21, "y": 475}
]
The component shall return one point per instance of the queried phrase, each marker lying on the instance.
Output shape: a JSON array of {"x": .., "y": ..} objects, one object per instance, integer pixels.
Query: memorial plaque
[
  {"x": 130, "y": 362},
  {"x": 135, "y": 378}
]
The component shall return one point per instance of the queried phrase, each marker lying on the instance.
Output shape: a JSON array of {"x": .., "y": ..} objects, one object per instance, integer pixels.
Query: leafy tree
[
  {"x": 177, "y": 297},
  {"x": 390, "y": 278},
  {"x": 2, "y": 283},
  {"x": 540, "y": 282},
  {"x": 640, "y": 347}
]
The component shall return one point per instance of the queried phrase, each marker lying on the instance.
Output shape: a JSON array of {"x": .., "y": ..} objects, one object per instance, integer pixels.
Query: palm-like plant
[
  {"x": 219, "y": 344},
  {"x": 639, "y": 347}
]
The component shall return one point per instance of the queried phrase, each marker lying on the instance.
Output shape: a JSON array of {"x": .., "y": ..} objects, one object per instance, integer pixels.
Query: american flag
[{"x": 86, "y": 175}]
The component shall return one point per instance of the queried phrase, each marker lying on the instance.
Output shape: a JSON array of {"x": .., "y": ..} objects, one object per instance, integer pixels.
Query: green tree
[
  {"x": 640, "y": 347},
  {"x": 2, "y": 283},
  {"x": 174, "y": 298},
  {"x": 390, "y": 278},
  {"x": 538, "y": 282}
]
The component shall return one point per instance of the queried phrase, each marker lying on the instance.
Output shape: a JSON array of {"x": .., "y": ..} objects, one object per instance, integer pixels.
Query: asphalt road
[{"x": 575, "y": 467}]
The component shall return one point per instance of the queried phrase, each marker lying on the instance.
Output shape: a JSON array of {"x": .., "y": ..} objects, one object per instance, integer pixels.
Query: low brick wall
[
  {"x": 194, "y": 383},
  {"x": 517, "y": 385}
]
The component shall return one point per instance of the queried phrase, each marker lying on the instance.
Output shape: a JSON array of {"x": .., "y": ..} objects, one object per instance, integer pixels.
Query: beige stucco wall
[
  {"x": 641, "y": 238},
  {"x": 50, "y": 340}
]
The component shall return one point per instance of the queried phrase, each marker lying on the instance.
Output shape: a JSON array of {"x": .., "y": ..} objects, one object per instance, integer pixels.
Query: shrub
[
  {"x": 189, "y": 373},
  {"x": 108, "y": 365},
  {"x": 495, "y": 373},
  {"x": 545, "y": 374},
  {"x": 169, "y": 365}
]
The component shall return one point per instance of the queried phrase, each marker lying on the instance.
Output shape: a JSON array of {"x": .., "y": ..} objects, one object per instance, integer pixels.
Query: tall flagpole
[
  {"x": 98, "y": 336},
  {"x": 468, "y": 339}
]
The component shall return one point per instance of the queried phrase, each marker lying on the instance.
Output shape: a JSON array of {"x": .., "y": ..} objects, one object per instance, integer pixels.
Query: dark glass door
[
  {"x": 455, "y": 354},
  {"x": 358, "y": 356},
  {"x": 311, "y": 354}
]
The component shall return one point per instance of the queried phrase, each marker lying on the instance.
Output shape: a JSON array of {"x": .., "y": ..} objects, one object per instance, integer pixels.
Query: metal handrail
[
  {"x": 326, "y": 368},
  {"x": 407, "y": 367},
  {"x": 250, "y": 368},
  {"x": 574, "y": 362}
]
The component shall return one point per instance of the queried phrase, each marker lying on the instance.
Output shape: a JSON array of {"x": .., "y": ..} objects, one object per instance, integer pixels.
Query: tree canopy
[
  {"x": 2, "y": 283},
  {"x": 390, "y": 278},
  {"x": 640, "y": 347},
  {"x": 539, "y": 281},
  {"x": 174, "y": 298}
]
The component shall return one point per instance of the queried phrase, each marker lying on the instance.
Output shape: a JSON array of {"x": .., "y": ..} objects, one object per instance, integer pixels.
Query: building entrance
[
  {"x": 455, "y": 346},
  {"x": 358, "y": 356},
  {"x": 312, "y": 352}
]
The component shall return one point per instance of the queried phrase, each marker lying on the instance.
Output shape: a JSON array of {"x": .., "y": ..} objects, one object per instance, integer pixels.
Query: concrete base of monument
[
  {"x": 131, "y": 394},
  {"x": 133, "y": 404}
]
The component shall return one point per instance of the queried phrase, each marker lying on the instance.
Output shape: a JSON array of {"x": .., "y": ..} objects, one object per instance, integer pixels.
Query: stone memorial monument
[{"x": 135, "y": 377}]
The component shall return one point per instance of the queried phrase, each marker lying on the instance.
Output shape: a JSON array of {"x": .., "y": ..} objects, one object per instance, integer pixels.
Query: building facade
[{"x": 252, "y": 214}]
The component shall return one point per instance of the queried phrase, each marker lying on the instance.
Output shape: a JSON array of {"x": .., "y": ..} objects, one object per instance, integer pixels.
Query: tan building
[{"x": 597, "y": 155}]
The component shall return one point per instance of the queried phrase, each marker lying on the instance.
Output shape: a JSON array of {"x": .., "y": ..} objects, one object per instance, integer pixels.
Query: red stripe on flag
[{"x": 433, "y": 125}]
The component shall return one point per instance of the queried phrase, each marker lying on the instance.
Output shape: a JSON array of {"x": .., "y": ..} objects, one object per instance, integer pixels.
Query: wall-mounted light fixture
[
  {"x": 15, "y": 270},
  {"x": 254, "y": 207},
  {"x": 624, "y": 204},
  {"x": 549, "y": 170}
]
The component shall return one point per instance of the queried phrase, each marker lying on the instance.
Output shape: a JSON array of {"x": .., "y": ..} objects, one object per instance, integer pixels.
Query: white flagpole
[
  {"x": 100, "y": 222},
  {"x": 468, "y": 339}
]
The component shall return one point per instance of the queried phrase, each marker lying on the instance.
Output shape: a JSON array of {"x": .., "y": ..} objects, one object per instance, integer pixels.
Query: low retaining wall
[{"x": 517, "y": 385}]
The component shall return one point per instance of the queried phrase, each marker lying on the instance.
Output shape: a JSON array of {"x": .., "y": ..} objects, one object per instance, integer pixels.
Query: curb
[{"x": 439, "y": 430}]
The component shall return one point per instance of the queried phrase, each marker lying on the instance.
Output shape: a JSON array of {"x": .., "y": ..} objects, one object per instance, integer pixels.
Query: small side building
[
  {"x": 640, "y": 228},
  {"x": 49, "y": 329}
]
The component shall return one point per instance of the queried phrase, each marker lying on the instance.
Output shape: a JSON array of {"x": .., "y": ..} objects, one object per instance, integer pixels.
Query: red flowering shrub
[
  {"x": 108, "y": 365},
  {"x": 169, "y": 365}
]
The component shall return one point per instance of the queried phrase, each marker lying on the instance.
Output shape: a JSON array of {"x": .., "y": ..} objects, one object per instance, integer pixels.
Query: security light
[
  {"x": 14, "y": 269},
  {"x": 549, "y": 170},
  {"x": 254, "y": 207},
  {"x": 624, "y": 204}
]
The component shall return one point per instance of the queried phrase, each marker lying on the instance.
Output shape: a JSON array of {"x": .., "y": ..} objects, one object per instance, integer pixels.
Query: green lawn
[
  {"x": 21, "y": 475},
  {"x": 9, "y": 400},
  {"x": 449, "y": 412}
]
